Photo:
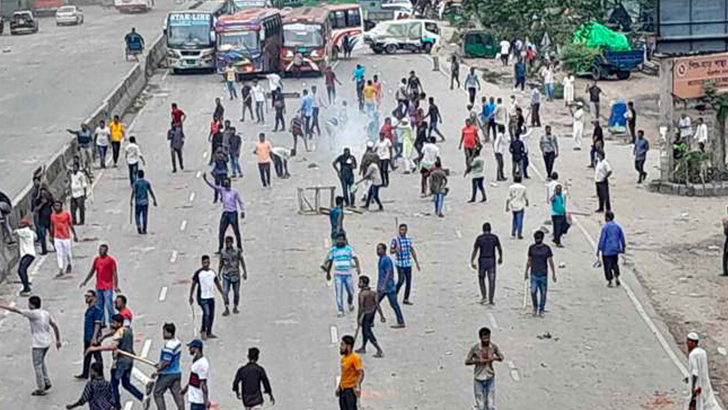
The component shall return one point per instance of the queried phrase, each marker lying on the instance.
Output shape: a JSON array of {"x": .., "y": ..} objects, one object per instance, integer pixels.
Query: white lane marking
[
  {"x": 334, "y": 335},
  {"x": 630, "y": 294},
  {"x": 199, "y": 174},
  {"x": 515, "y": 376},
  {"x": 183, "y": 225},
  {"x": 458, "y": 234},
  {"x": 128, "y": 405},
  {"x": 145, "y": 349},
  {"x": 192, "y": 197},
  {"x": 164, "y": 77},
  {"x": 173, "y": 258},
  {"x": 137, "y": 374},
  {"x": 138, "y": 115},
  {"x": 493, "y": 322},
  {"x": 163, "y": 294},
  {"x": 204, "y": 154}
]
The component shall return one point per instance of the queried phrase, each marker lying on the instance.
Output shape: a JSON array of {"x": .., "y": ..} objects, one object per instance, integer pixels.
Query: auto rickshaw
[{"x": 479, "y": 44}]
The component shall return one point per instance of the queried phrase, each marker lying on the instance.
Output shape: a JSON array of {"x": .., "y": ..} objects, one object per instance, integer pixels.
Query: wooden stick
[{"x": 135, "y": 357}]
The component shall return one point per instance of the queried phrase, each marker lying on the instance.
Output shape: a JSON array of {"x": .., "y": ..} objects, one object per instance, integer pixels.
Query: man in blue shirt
[
  {"x": 169, "y": 374},
  {"x": 140, "y": 191},
  {"x": 358, "y": 78},
  {"x": 306, "y": 111},
  {"x": 404, "y": 251},
  {"x": 336, "y": 216},
  {"x": 93, "y": 319},
  {"x": 386, "y": 286},
  {"x": 611, "y": 244}
]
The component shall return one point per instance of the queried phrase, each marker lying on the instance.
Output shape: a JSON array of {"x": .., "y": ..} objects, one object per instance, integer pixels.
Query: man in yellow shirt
[
  {"x": 117, "y": 135},
  {"x": 352, "y": 375},
  {"x": 370, "y": 97}
]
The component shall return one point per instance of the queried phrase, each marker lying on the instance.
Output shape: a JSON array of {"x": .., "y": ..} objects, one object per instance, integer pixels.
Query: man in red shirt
[
  {"x": 107, "y": 281},
  {"x": 61, "y": 230},
  {"x": 469, "y": 140},
  {"x": 120, "y": 306},
  {"x": 178, "y": 116}
]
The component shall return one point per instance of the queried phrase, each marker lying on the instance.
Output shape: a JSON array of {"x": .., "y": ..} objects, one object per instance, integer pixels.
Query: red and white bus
[
  {"x": 307, "y": 43},
  {"x": 249, "y": 41},
  {"x": 346, "y": 20},
  {"x": 47, "y": 7}
]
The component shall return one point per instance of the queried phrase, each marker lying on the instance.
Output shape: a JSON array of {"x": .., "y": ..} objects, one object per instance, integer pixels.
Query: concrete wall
[{"x": 116, "y": 103}]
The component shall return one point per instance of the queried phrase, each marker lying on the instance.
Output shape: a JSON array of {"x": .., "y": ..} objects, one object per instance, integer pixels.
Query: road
[
  {"x": 56, "y": 78},
  {"x": 601, "y": 353}
]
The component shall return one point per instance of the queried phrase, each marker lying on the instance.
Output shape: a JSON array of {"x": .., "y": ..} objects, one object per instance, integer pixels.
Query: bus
[
  {"x": 241, "y": 5},
  {"x": 46, "y": 7},
  {"x": 307, "y": 39},
  {"x": 250, "y": 41},
  {"x": 346, "y": 20}
]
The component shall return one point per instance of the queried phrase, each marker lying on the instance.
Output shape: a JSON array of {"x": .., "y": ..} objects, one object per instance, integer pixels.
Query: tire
[
  {"x": 390, "y": 48},
  {"x": 596, "y": 73},
  {"x": 427, "y": 48},
  {"x": 623, "y": 75}
]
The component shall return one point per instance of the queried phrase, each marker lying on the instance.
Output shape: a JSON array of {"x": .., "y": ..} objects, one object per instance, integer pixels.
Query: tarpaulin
[{"x": 595, "y": 35}]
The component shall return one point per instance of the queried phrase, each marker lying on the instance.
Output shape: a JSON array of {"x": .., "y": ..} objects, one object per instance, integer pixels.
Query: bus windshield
[
  {"x": 302, "y": 35},
  {"x": 188, "y": 36},
  {"x": 243, "y": 40}
]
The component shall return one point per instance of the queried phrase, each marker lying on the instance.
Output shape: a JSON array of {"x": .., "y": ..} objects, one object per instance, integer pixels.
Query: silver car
[{"x": 69, "y": 15}]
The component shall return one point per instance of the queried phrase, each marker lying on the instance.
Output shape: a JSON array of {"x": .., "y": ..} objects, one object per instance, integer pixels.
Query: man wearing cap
[
  {"x": 26, "y": 246},
  {"x": 701, "y": 391},
  {"x": 196, "y": 389}
]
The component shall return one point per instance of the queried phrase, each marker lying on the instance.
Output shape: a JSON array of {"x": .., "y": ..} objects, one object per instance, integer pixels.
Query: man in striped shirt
[
  {"x": 404, "y": 250},
  {"x": 341, "y": 259},
  {"x": 169, "y": 374}
]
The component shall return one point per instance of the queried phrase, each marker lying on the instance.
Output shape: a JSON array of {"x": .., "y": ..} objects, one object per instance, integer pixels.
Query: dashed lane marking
[
  {"x": 173, "y": 258},
  {"x": 163, "y": 294},
  {"x": 128, "y": 405},
  {"x": 183, "y": 225},
  {"x": 192, "y": 197},
  {"x": 204, "y": 154},
  {"x": 199, "y": 174},
  {"x": 493, "y": 322},
  {"x": 146, "y": 347},
  {"x": 458, "y": 234},
  {"x": 334, "y": 335}
]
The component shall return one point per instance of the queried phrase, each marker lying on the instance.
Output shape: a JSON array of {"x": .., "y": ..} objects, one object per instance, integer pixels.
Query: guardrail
[{"x": 117, "y": 102}]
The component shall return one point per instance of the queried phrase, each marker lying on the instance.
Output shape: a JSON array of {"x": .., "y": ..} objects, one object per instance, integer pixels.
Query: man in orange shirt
[
  {"x": 370, "y": 97},
  {"x": 352, "y": 375},
  {"x": 469, "y": 140},
  {"x": 118, "y": 132},
  {"x": 262, "y": 152},
  {"x": 61, "y": 230}
]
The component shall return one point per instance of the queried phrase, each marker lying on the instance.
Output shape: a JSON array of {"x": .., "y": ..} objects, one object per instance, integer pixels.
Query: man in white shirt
[
  {"x": 383, "y": 148},
  {"x": 516, "y": 203},
  {"x": 505, "y": 51},
  {"x": 102, "y": 134},
  {"x": 578, "y": 126},
  {"x": 205, "y": 281},
  {"x": 133, "y": 153},
  {"x": 701, "y": 396},
  {"x": 602, "y": 172},
  {"x": 259, "y": 99},
  {"x": 685, "y": 126},
  {"x": 197, "y": 390},
  {"x": 430, "y": 153},
  {"x": 274, "y": 83},
  {"x": 79, "y": 183},
  {"x": 500, "y": 146},
  {"x": 701, "y": 134},
  {"x": 41, "y": 324},
  {"x": 281, "y": 155},
  {"x": 26, "y": 246}
]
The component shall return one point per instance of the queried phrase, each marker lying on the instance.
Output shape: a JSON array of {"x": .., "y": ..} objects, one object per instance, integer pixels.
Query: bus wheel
[{"x": 390, "y": 48}]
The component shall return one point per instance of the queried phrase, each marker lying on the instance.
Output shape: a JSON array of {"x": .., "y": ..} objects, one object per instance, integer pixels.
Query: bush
[{"x": 579, "y": 58}]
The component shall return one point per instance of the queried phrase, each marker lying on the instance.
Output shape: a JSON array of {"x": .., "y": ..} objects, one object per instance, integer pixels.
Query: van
[{"x": 411, "y": 35}]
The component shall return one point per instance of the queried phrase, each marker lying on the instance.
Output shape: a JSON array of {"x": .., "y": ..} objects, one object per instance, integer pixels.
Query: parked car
[
  {"x": 23, "y": 22},
  {"x": 69, "y": 15},
  {"x": 410, "y": 34}
]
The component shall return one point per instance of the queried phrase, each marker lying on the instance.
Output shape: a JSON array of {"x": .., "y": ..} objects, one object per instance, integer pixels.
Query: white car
[{"x": 69, "y": 15}]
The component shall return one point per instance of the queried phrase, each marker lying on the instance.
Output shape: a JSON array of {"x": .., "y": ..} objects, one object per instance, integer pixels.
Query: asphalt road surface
[
  {"x": 56, "y": 78},
  {"x": 592, "y": 350}
]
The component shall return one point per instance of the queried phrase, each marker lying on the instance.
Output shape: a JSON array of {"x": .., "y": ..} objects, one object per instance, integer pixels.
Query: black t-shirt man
[
  {"x": 347, "y": 165},
  {"x": 486, "y": 244},
  {"x": 594, "y": 92},
  {"x": 539, "y": 254}
]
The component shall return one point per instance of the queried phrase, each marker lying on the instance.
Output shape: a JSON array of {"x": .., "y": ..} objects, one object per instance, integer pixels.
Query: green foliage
[
  {"x": 578, "y": 58},
  {"x": 690, "y": 168},
  {"x": 532, "y": 18}
]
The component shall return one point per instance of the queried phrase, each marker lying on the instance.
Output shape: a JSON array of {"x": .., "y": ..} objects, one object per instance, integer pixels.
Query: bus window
[
  {"x": 353, "y": 17},
  {"x": 339, "y": 19}
]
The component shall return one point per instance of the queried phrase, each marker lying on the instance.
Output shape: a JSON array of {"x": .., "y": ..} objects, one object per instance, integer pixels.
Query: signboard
[
  {"x": 692, "y": 26},
  {"x": 690, "y": 73},
  {"x": 189, "y": 19}
]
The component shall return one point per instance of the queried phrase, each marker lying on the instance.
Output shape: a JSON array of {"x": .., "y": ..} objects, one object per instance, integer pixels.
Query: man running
[
  {"x": 368, "y": 307},
  {"x": 248, "y": 380},
  {"x": 26, "y": 247},
  {"x": 404, "y": 250},
  {"x": 341, "y": 258},
  {"x": 484, "y": 248}
]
